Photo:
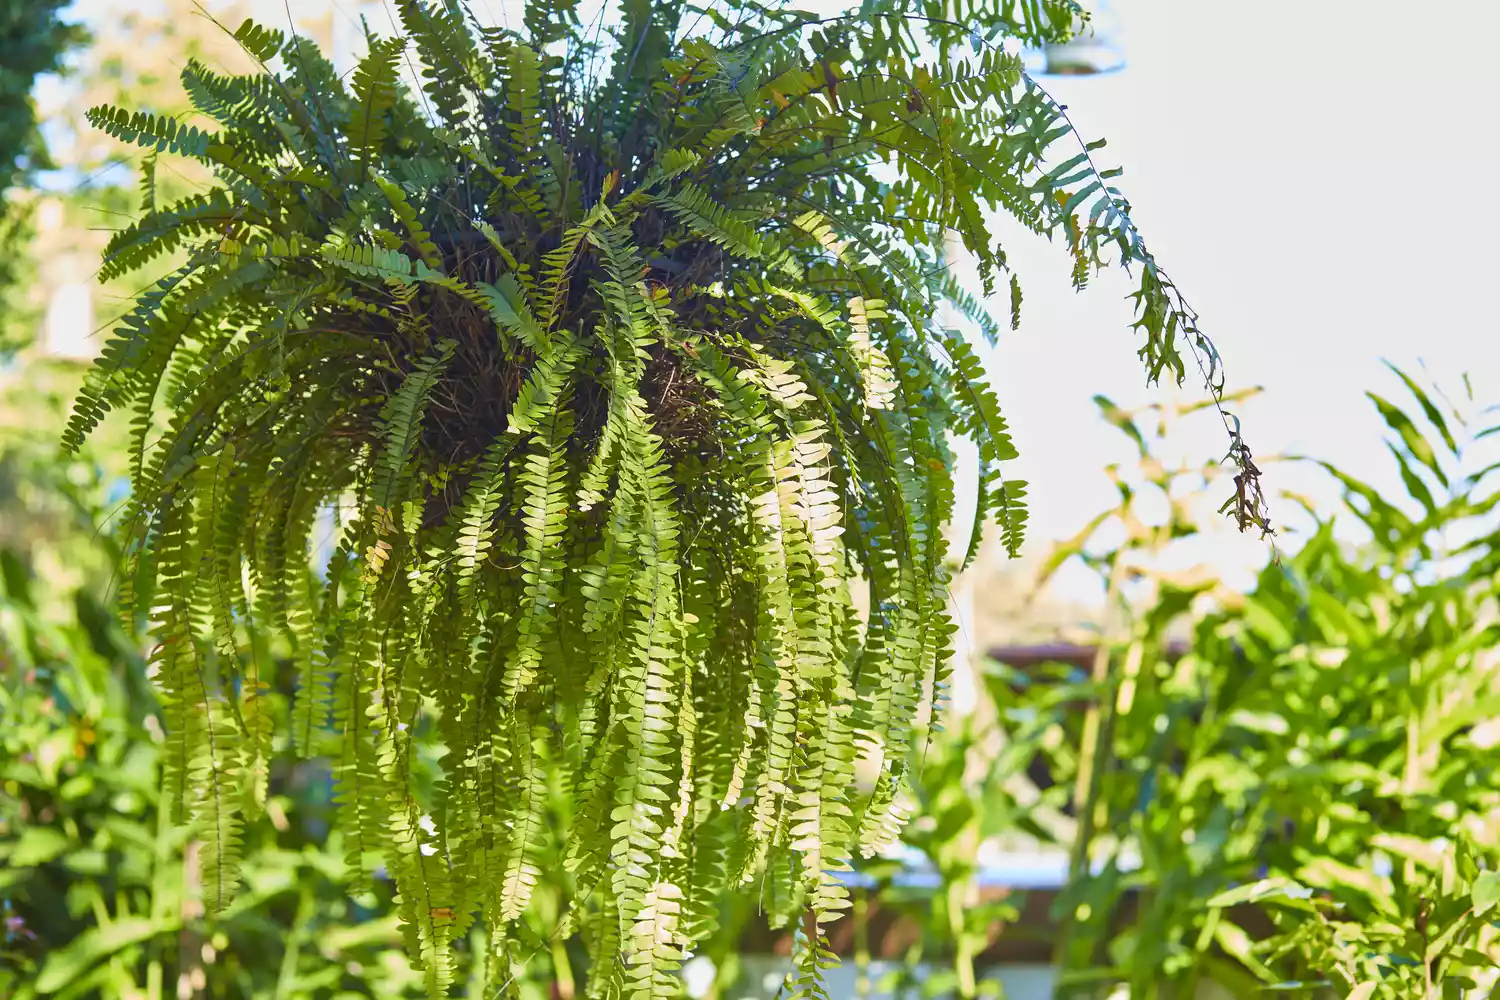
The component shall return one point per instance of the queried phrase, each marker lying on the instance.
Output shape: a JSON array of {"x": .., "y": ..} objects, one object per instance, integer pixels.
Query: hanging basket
[{"x": 621, "y": 367}]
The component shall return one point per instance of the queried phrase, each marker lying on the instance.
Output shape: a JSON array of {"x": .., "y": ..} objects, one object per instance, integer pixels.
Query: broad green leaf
[
  {"x": 1415, "y": 442},
  {"x": 1433, "y": 414},
  {"x": 37, "y": 845},
  {"x": 1274, "y": 890},
  {"x": 1233, "y": 939},
  {"x": 1486, "y": 891},
  {"x": 94, "y": 945}
]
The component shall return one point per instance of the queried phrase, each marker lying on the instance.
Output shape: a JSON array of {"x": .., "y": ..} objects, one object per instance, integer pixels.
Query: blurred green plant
[
  {"x": 950, "y": 822},
  {"x": 1325, "y": 723},
  {"x": 1431, "y": 948}
]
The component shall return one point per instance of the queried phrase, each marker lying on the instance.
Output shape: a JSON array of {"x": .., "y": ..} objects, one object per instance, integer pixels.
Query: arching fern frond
[{"x": 155, "y": 132}]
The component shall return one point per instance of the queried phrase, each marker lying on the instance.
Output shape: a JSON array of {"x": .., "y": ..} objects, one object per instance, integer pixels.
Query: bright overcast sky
[{"x": 1315, "y": 174}]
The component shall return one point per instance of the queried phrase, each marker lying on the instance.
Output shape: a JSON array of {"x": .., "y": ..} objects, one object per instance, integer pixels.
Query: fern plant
[{"x": 614, "y": 346}]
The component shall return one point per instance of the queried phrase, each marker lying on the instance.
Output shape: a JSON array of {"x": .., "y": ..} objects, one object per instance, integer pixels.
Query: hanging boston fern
[{"x": 615, "y": 346}]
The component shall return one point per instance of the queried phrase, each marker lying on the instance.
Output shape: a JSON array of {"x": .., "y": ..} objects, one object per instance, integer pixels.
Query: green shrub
[{"x": 1328, "y": 731}]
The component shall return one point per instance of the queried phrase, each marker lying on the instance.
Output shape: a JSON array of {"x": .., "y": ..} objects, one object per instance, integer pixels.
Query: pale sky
[{"x": 1316, "y": 176}]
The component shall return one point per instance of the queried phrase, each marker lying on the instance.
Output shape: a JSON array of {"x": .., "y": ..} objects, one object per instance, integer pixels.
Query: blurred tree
[{"x": 33, "y": 38}]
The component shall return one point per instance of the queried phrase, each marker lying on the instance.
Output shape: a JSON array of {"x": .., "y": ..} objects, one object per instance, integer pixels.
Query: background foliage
[{"x": 1330, "y": 731}]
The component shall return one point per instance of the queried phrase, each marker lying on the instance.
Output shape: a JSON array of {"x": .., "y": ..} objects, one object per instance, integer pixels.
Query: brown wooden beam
[{"x": 1062, "y": 652}]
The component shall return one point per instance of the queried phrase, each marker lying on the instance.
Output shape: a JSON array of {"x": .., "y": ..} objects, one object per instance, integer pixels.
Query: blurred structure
[
  {"x": 68, "y": 318},
  {"x": 1098, "y": 49}
]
